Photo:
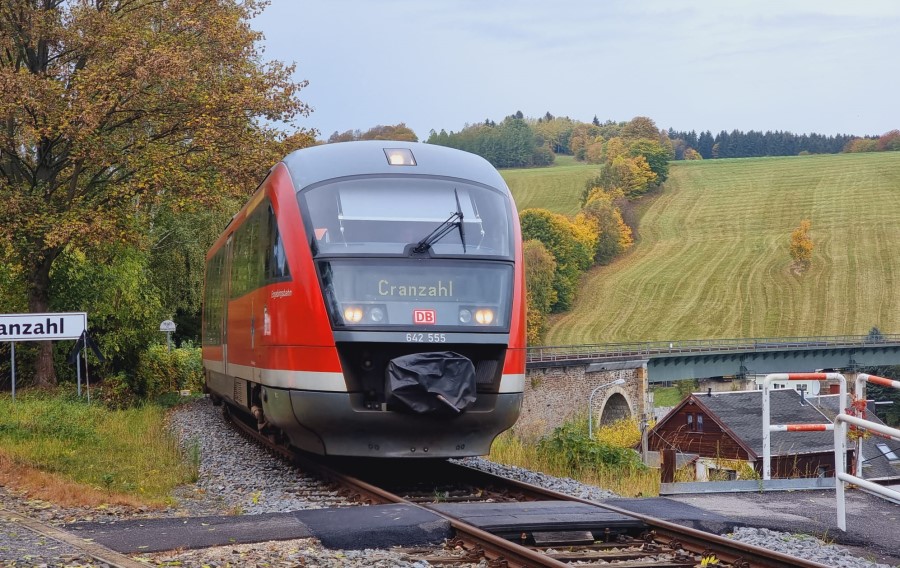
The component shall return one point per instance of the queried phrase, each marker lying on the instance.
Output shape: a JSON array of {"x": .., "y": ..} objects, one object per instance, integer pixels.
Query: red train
[{"x": 369, "y": 300}]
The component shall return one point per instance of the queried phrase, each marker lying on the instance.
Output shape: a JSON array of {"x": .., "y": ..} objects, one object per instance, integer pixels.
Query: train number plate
[
  {"x": 424, "y": 317},
  {"x": 426, "y": 337}
]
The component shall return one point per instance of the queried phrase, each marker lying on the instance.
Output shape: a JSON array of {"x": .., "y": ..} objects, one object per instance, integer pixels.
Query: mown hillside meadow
[
  {"x": 556, "y": 188},
  {"x": 713, "y": 260}
]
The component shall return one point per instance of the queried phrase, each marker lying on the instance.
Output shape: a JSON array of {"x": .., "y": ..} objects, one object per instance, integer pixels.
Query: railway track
[{"x": 657, "y": 543}]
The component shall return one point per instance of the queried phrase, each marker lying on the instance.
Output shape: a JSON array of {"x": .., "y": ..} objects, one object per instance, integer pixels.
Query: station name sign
[{"x": 42, "y": 327}]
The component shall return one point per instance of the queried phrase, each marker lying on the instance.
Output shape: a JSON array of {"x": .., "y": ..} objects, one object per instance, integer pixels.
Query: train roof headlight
[
  {"x": 353, "y": 314},
  {"x": 400, "y": 156},
  {"x": 376, "y": 314},
  {"x": 465, "y": 315}
]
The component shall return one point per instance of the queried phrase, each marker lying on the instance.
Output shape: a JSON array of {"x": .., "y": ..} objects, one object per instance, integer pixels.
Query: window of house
[
  {"x": 722, "y": 474},
  {"x": 699, "y": 423},
  {"x": 690, "y": 422},
  {"x": 887, "y": 452}
]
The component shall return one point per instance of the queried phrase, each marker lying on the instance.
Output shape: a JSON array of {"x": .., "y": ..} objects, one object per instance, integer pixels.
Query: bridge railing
[{"x": 646, "y": 348}]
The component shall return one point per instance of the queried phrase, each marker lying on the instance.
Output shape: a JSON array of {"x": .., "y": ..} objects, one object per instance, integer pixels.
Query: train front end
[{"x": 416, "y": 252}]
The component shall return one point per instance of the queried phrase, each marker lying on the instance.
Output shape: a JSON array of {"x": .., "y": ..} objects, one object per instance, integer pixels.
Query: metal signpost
[
  {"x": 40, "y": 327},
  {"x": 168, "y": 326}
]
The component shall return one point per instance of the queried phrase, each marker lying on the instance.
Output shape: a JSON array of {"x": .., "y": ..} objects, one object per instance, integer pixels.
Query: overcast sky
[{"x": 802, "y": 66}]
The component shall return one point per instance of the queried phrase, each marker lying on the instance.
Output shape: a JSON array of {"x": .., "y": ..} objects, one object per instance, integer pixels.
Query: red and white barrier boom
[
  {"x": 768, "y": 428},
  {"x": 840, "y": 440}
]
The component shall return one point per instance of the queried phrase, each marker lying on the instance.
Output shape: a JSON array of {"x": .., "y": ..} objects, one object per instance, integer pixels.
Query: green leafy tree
[
  {"x": 540, "y": 267},
  {"x": 510, "y": 144},
  {"x": 380, "y": 132},
  {"x": 656, "y": 154},
  {"x": 113, "y": 285},
  {"x": 112, "y": 108},
  {"x": 571, "y": 245}
]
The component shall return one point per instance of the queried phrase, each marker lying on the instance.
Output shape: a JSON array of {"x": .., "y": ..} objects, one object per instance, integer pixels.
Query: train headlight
[
  {"x": 484, "y": 316},
  {"x": 465, "y": 316},
  {"x": 376, "y": 315},
  {"x": 353, "y": 314},
  {"x": 400, "y": 156}
]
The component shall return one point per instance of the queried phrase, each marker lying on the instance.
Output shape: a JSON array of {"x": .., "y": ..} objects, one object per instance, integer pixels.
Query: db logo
[{"x": 424, "y": 317}]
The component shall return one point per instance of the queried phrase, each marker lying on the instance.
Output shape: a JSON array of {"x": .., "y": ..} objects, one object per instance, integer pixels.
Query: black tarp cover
[{"x": 431, "y": 382}]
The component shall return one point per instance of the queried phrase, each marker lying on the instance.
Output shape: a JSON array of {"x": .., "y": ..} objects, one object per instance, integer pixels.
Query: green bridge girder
[{"x": 706, "y": 358}]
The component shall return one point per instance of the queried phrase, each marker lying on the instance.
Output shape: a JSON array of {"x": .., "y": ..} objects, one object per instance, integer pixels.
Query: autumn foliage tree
[
  {"x": 571, "y": 244},
  {"x": 801, "y": 246},
  {"x": 614, "y": 236},
  {"x": 112, "y": 111},
  {"x": 540, "y": 267}
]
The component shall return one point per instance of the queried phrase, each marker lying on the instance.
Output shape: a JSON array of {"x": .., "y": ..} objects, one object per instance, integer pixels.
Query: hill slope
[
  {"x": 713, "y": 259},
  {"x": 557, "y": 188}
]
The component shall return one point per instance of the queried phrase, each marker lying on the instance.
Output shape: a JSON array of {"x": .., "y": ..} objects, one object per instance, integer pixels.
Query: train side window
[
  {"x": 248, "y": 266},
  {"x": 276, "y": 267},
  {"x": 214, "y": 298}
]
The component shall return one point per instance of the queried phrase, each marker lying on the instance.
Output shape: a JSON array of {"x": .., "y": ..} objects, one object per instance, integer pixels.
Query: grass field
[
  {"x": 713, "y": 257},
  {"x": 557, "y": 188}
]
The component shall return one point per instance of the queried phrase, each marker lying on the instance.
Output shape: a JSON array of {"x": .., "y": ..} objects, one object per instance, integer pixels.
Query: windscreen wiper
[{"x": 455, "y": 220}]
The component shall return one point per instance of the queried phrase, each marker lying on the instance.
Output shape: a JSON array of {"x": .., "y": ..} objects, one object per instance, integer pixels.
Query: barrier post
[
  {"x": 840, "y": 440},
  {"x": 768, "y": 428}
]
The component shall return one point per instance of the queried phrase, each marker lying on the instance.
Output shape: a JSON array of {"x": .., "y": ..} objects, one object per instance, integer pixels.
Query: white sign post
[
  {"x": 39, "y": 327},
  {"x": 168, "y": 326}
]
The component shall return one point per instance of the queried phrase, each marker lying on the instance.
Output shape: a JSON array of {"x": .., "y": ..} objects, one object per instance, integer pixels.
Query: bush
[
  {"x": 570, "y": 441},
  {"x": 160, "y": 371},
  {"x": 117, "y": 393}
]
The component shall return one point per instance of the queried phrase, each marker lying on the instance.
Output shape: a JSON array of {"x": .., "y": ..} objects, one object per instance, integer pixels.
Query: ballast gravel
[{"x": 238, "y": 477}]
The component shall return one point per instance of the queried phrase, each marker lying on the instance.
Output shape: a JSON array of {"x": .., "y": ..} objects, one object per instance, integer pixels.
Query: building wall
[
  {"x": 556, "y": 395},
  {"x": 711, "y": 442}
]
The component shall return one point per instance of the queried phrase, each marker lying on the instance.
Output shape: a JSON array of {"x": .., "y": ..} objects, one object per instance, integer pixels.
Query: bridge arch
[{"x": 616, "y": 405}]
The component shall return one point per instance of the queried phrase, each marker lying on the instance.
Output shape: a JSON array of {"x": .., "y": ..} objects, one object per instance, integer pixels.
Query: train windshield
[
  {"x": 384, "y": 293},
  {"x": 381, "y": 215}
]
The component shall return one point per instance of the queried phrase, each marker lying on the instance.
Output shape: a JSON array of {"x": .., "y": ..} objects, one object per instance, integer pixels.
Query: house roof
[
  {"x": 875, "y": 464},
  {"x": 740, "y": 415}
]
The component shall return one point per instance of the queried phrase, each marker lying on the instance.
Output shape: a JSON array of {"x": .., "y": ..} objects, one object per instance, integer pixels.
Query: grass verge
[
  {"x": 568, "y": 452},
  {"x": 59, "y": 448}
]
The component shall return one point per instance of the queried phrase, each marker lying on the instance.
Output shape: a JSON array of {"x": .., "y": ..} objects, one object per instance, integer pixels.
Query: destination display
[
  {"x": 42, "y": 327},
  {"x": 399, "y": 280}
]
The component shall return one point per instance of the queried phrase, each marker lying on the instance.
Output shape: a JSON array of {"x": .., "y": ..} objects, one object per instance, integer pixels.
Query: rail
[{"x": 552, "y": 353}]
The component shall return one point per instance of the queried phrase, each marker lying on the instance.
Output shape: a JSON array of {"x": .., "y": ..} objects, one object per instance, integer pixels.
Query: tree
[
  {"x": 539, "y": 270},
  {"x": 640, "y": 127},
  {"x": 801, "y": 245},
  {"x": 614, "y": 236},
  {"x": 656, "y": 154},
  {"x": 691, "y": 154},
  {"x": 112, "y": 109},
  {"x": 571, "y": 245},
  {"x": 380, "y": 132}
]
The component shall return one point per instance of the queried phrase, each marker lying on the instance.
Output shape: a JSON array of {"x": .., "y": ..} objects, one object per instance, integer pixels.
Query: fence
[
  {"x": 768, "y": 428},
  {"x": 840, "y": 440}
]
